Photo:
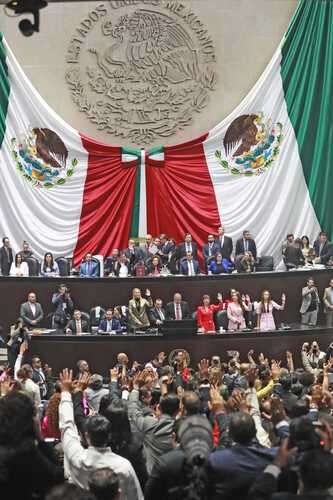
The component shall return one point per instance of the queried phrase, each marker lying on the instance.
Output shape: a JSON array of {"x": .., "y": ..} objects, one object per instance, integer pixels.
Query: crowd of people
[
  {"x": 253, "y": 429},
  {"x": 162, "y": 256}
]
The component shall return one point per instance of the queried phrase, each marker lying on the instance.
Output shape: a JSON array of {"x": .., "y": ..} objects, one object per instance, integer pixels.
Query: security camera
[{"x": 33, "y": 7}]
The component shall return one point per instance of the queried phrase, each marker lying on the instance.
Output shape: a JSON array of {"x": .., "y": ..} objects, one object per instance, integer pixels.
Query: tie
[
  {"x": 320, "y": 249},
  {"x": 78, "y": 327},
  {"x": 246, "y": 245},
  {"x": 178, "y": 312}
]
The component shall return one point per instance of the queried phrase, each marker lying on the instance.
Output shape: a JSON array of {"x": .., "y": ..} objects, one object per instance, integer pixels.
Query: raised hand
[
  {"x": 283, "y": 297},
  {"x": 216, "y": 402},
  {"x": 204, "y": 368},
  {"x": 148, "y": 294},
  {"x": 23, "y": 348},
  {"x": 220, "y": 297},
  {"x": 114, "y": 373},
  {"x": 83, "y": 381},
  {"x": 66, "y": 380},
  {"x": 161, "y": 357}
]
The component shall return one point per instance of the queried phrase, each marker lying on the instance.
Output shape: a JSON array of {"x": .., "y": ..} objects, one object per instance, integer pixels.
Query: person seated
[
  {"x": 220, "y": 265},
  {"x": 211, "y": 248},
  {"x": 110, "y": 262},
  {"x": 247, "y": 263},
  {"x": 133, "y": 253},
  {"x": 206, "y": 312},
  {"x": 225, "y": 244},
  {"x": 88, "y": 268},
  {"x": 189, "y": 266},
  {"x": 121, "y": 314},
  {"x": 154, "y": 267},
  {"x": 323, "y": 249},
  {"x": 19, "y": 267},
  {"x": 293, "y": 256},
  {"x": 49, "y": 266},
  {"x": 110, "y": 323},
  {"x": 77, "y": 325},
  {"x": 157, "y": 314},
  {"x": 246, "y": 243},
  {"x": 121, "y": 268},
  {"x": 139, "y": 268},
  {"x": 307, "y": 251},
  {"x": 26, "y": 252},
  {"x": 236, "y": 311},
  {"x": 138, "y": 309},
  {"x": 288, "y": 241},
  {"x": 187, "y": 246},
  {"x": 178, "y": 309},
  {"x": 31, "y": 312}
]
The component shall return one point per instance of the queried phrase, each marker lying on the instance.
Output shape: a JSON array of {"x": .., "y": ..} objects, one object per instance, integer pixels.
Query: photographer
[
  {"x": 64, "y": 307},
  {"x": 18, "y": 335},
  {"x": 312, "y": 357}
]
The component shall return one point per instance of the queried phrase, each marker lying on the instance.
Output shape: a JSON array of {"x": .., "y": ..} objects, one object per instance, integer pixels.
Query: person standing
[
  {"x": 26, "y": 251},
  {"x": 328, "y": 304},
  {"x": 6, "y": 257},
  {"x": 225, "y": 243},
  {"x": 188, "y": 245},
  {"x": 31, "y": 311},
  {"x": 246, "y": 244},
  {"x": 310, "y": 304},
  {"x": 64, "y": 305},
  {"x": 264, "y": 310},
  {"x": 236, "y": 310},
  {"x": 323, "y": 249},
  {"x": 211, "y": 248},
  {"x": 205, "y": 313},
  {"x": 138, "y": 309},
  {"x": 178, "y": 309}
]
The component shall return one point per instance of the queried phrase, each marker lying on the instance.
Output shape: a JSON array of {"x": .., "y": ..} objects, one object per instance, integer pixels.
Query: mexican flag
[
  {"x": 59, "y": 190},
  {"x": 267, "y": 167}
]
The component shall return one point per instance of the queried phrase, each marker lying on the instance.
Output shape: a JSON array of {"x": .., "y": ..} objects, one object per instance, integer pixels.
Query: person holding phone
[{"x": 310, "y": 303}]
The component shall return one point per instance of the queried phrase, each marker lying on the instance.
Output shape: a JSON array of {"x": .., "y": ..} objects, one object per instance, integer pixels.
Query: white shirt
[
  {"x": 80, "y": 461},
  {"x": 33, "y": 308},
  {"x": 23, "y": 270},
  {"x": 190, "y": 268},
  {"x": 123, "y": 271},
  {"x": 188, "y": 247},
  {"x": 179, "y": 311},
  {"x": 160, "y": 313}
]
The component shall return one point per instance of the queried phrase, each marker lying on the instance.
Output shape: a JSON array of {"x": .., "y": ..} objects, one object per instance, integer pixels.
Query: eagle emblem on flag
[
  {"x": 42, "y": 158},
  {"x": 250, "y": 145}
]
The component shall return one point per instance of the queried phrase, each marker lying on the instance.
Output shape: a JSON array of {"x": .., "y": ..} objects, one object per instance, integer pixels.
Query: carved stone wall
[{"x": 146, "y": 72}]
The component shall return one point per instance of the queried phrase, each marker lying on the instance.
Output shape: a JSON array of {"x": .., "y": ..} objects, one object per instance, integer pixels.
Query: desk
[{"x": 61, "y": 351}]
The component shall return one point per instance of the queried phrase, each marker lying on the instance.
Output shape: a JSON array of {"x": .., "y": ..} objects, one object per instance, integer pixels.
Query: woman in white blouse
[
  {"x": 49, "y": 267},
  {"x": 19, "y": 267}
]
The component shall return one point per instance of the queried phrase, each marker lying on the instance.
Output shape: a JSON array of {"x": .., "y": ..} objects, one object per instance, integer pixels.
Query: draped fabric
[
  {"x": 307, "y": 74},
  {"x": 107, "y": 201},
  {"x": 180, "y": 195}
]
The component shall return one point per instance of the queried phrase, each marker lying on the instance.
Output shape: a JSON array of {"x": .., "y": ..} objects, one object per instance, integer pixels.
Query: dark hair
[
  {"x": 316, "y": 469},
  {"x": 169, "y": 404},
  {"x": 16, "y": 257},
  {"x": 306, "y": 379},
  {"x": 104, "y": 484},
  {"x": 16, "y": 418},
  {"x": 98, "y": 429},
  {"x": 300, "y": 408},
  {"x": 120, "y": 429},
  {"x": 290, "y": 234},
  {"x": 242, "y": 428},
  {"x": 192, "y": 403},
  {"x": 323, "y": 233},
  {"x": 4, "y": 239},
  {"x": 285, "y": 381},
  {"x": 44, "y": 261},
  {"x": 307, "y": 240},
  {"x": 265, "y": 309},
  {"x": 69, "y": 491}
]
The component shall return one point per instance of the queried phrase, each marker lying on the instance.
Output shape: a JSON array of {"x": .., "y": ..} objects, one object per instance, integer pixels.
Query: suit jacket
[
  {"x": 155, "y": 316},
  {"x": 183, "y": 268},
  {"x": 138, "y": 317},
  {"x": 135, "y": 255},
  {"x": 181, "y": 250},
  {"x": 306, "y": 301},
  {"x": 214, "y": 250},
  {"x": 5, "y": 261},
  {"x": 71, "y": 325},
  {"x": 251, "y": 247},
  {"x": 27, "y": 315},
  {"x": 326, "y": 252},
  {"x": 327, "y": 299},
  {"x": 103, "y": 325},
  {"x": 84, "y": 269},
  {"x": 227, "y": 247},
  {"x": 170, "y": 310},
  {"x": 293, "y": 255}
]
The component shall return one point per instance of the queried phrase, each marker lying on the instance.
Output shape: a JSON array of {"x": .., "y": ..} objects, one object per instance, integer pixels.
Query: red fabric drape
[
  {"x": 180, "y": 194},
  {"x": 107, "y": 201}
]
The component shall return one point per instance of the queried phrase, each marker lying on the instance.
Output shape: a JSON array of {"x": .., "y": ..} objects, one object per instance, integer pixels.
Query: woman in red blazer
[{"x": 205, "y": 313}]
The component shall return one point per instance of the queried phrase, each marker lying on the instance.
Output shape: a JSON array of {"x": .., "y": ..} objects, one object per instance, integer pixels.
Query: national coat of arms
[
  {"x": 250, "y": 145},
  {"x": 42, "y": 158}
]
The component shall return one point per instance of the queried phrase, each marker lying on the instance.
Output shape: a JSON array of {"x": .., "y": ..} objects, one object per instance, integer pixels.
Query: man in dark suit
[
  {"x": 178, "y": 309},
  {"x": 157, "y": 313},
  {"x": 225, "y": 244},
  {"x": 110, "y": 262},
  {"x": 189, "y": 266},
  {"x": 89, "y": 268},
  {"x": 133, "y": 253},
  {"x": 187, "y": 246},
  {"x": 26, "y": 252},
  {"x": 109, "y": 323},
  {"x": 246, "y": 244},
  {"x": 31, "y": 312},
  {"x": 77, "y": 325},
  {"x": 6, "y": 257},
  {"x": 39, "y": 377},
  {"x": 167, "y": 248},
  {"x": 293, "y": 256},
  {"x": 211, "y": 248},
  {"x": 323, "y": 249}
]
